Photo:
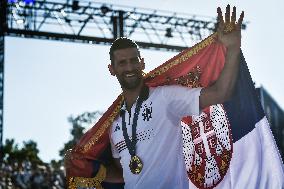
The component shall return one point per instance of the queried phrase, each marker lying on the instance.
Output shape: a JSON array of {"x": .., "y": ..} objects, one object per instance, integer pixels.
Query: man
[{"x": 146, "y": 138}]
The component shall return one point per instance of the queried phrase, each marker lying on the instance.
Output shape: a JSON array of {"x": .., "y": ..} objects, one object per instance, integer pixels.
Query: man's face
[{"x": 127, "y": 67}]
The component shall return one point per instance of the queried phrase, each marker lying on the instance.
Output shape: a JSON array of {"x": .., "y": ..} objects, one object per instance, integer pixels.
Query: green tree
[
  {"x": 10, "y": 150},
  {"x": 79, "y": 125},
  {"x": 29, "y": 151}
]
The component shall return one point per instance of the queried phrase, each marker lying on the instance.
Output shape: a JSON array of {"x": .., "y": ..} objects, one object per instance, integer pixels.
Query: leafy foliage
[
  {"x": 13, "y": 153},
  {"x": 79, "y": 125}
]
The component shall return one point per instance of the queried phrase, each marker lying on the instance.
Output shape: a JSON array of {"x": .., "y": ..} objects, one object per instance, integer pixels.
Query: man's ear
[{"x": 111, "y": 70}]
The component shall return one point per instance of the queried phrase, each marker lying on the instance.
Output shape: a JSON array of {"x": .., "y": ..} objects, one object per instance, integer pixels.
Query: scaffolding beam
[
  {"x": 3, "y": 26},
  {"x": 99, "y": 23}
]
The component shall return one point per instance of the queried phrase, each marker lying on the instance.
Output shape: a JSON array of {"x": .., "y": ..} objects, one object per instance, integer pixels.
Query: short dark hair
[{"x": 122, "y": 43}]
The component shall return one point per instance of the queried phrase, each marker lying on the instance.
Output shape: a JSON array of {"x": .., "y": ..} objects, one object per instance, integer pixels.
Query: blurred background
[{"x": 54, "y": 81}]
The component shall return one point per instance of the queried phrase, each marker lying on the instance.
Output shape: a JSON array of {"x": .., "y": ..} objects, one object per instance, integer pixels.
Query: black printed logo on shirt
[
  {"x": 117, "y": 128},
  {"x": 147, "y": 112}
]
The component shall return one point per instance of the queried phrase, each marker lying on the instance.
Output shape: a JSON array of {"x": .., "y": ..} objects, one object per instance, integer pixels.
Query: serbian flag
[{"x": 228, "y": 145}]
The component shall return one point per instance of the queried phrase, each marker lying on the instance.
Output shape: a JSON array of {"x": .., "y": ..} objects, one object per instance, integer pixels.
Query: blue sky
[{"x": 47, "y": 81}]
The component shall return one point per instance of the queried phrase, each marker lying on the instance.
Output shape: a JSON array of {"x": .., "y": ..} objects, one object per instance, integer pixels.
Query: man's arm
[
  {"x": 223, "y": 88},
  {"x": 114, "y": 172}
]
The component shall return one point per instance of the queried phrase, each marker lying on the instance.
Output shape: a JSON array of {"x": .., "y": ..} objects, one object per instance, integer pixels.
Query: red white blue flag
[{"x": 229, "y": 146}]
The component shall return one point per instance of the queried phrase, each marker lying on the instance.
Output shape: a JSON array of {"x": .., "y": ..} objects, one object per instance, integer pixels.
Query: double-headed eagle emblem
[{"x": 207, "y": 146}]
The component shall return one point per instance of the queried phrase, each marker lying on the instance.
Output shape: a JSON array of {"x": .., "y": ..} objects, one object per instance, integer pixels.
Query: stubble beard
[{"x": 130, "y": 85}]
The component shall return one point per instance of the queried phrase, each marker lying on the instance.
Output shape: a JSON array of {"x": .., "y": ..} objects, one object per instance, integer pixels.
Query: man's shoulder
[
  {"x": 166, "y": 88},
  {"x": 174, "y": 91},
  {"x": 162, "y": 92}
]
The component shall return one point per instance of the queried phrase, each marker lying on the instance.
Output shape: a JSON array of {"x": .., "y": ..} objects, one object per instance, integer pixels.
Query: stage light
[
  {"x": 75, "y": 5},
  {"x": 24, "y": 1},
  {"x": 133, "y": 16},
  {"x": 63, "y": 13},
  {"x": 20, "y": 21},
  {"x": 29, "y": 1},
  {"x": 169, "y": 32},
  {"x": 12, "y": 1},
  {"x": 104, "y": 9}
]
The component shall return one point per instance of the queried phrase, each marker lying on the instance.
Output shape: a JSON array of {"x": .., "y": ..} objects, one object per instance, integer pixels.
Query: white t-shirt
[{"x": 159, "y": 138}]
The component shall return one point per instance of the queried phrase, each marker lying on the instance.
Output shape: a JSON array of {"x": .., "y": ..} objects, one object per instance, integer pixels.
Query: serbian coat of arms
[{"x": 207, "y": 146}]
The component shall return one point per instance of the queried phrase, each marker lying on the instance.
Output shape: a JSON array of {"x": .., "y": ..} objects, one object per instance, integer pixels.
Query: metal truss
[
  {"x": 2, "y": 48},
  {"x": 1, "y": 88},
  {"x": 99, "y": 23}
]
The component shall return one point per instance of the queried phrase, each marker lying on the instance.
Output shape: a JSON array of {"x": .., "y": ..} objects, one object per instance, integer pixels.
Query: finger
[
  {"x": 233, "y": 17},
  {"x": 220, "y": 19},
  {"x": 227, "y": 14},
  {"x": 220, "y": 16},
  {"x": 240, "y": 21},
  {"x": 220, "y": 31},
  {"x": 221, "y": 24}
]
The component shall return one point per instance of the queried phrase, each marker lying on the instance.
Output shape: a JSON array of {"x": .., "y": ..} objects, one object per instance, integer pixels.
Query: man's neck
[{"x": 130, "y": 96}]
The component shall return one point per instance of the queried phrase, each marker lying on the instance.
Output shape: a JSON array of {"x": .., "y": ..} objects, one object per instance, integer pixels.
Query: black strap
[{"x": 131, "y": 144}]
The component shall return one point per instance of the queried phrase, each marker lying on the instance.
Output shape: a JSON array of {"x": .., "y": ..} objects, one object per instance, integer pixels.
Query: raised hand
[{"x": 229, "y": 31}]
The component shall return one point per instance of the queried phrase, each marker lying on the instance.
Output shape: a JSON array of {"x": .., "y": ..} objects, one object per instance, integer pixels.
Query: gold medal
[{"x": 135, "y": 165}]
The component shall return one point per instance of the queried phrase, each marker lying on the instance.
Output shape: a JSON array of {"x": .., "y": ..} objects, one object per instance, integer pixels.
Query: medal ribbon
[{"x": 131, "y": 144}]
